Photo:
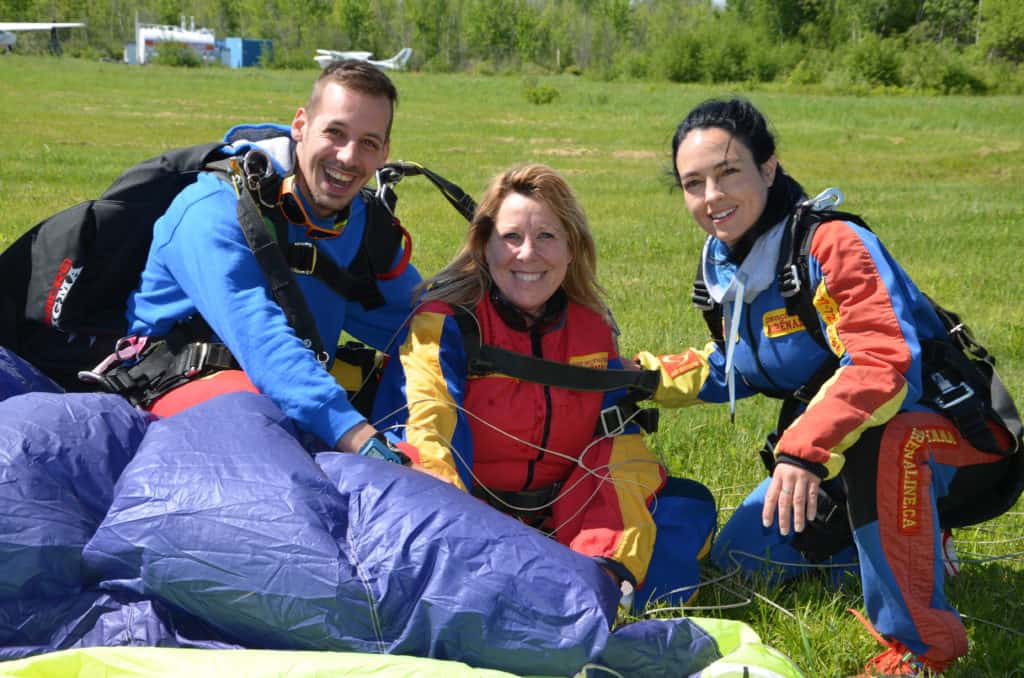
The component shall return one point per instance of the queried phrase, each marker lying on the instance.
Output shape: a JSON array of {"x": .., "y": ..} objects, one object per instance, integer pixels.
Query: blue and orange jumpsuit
[
  {"x": 506, "y": 435},
  {"x": 867, "y": 425}
]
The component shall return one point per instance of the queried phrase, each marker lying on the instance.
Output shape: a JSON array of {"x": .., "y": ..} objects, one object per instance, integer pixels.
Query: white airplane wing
[
  {"x": 22, "y": 26},
  {"x": 334, "y": 54},
  {"x": 8, "y": 29}
]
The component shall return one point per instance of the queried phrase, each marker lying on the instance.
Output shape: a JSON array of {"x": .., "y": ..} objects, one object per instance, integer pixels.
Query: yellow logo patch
[
  {"x": 680, "y": 363},
  {"x": 595, "y": 360},
  {"x": 778, "y": 323},
  {"x": 828, "y": 309}
]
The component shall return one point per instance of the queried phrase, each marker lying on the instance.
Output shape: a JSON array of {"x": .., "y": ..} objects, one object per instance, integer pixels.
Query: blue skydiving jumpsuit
[
  {"x": 899, "y": 461},
  {"x": 199, "y": 262}
]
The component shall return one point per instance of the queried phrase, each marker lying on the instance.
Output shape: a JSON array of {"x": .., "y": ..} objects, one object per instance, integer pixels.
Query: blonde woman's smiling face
[{"x": 527, "y": 253}]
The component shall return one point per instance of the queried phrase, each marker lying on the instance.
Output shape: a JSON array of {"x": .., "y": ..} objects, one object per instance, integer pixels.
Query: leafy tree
[
  {"x": 490, "y": 27},
  {"x": 1002, "y": 29},
  {"x": 950, "y": 20},
  {"x": 886, "y": 17}
]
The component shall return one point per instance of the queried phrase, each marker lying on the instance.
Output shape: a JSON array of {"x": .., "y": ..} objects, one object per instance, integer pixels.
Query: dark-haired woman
[{"x": 866, "y": 432}]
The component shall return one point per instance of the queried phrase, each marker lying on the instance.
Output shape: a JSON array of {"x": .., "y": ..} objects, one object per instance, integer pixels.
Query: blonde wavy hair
[{"x": 466, "y": 280}]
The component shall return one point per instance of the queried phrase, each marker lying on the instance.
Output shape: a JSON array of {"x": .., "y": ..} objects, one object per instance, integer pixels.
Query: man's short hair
[{"x": 357, "y": 75}]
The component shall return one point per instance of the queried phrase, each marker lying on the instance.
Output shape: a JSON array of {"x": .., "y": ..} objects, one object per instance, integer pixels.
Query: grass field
[{"x": 940, "y": 179}]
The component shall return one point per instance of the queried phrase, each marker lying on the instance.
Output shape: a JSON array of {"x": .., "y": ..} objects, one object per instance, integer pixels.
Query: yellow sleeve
[
  {"x": 682, "y": 374},
  {"x": 432, "y": 410}
]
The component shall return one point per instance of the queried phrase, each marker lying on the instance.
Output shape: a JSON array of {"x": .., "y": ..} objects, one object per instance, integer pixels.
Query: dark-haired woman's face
[{"x": 725, "y": 190}]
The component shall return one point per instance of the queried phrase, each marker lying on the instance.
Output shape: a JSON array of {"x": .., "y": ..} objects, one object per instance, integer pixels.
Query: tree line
[{"x": 947, "y": 46}]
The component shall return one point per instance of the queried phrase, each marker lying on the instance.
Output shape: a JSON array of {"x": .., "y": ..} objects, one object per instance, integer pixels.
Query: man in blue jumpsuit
[{"x": 200, "y": 263}]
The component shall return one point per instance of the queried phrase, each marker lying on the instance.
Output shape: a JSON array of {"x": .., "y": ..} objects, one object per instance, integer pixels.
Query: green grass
[{"x": 940, "y": 179}]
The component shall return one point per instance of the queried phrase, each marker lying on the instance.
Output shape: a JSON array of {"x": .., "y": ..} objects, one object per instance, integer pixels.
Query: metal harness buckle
[
  {"x": 195, "y": 361},
  {"x": 950, "y": 395},
  {"x": 700, "y": 297},
  {"x": 789, "y": 281},
  {"x": 611, "y": 415},
  {"x": 308, "y": 270}
]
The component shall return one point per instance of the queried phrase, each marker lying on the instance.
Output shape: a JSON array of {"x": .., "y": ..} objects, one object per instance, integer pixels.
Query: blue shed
[{"x": 244, "y": 52}]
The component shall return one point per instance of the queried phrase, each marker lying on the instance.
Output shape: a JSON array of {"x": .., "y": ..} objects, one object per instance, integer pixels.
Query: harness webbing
[
  {"x": 283, "y": 285},
  {"x": 488, "y": 359},
  {"x": 392, "y": 172},
  {"x": 305, "y": 259},
  {"x": 482, "y": 359}
]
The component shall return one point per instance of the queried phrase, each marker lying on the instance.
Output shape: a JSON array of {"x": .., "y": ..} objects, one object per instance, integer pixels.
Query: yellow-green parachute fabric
[
  {"x": 153, "y": 662},
  {"x": 744, "y": 657}
]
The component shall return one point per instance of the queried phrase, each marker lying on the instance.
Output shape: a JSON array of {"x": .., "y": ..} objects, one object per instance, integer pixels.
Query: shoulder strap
[
  {"x": 279, "y": 274},
  {"x": 794, "y": 271},
  {"x": 463, "y": 204},
  {"x": 711, "y": 310},
  {"x": 382, "y": 237},
  {"x": 486, "y": 359}
]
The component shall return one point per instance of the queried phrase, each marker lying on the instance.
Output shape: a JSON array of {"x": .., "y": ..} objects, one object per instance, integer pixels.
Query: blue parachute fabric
[
  {"x": 237, "y": 525},
  {"x": 458, "y": 582},
  {"x": 60, "y": 455},
  {"x": 216, "y": 528},
  {"x": 18, "y": 376},
  {"x": 648, "y": 648},
  {"x": 90, "y": 619}
]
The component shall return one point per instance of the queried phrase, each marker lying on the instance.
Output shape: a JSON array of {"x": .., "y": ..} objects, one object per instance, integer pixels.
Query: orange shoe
[{"x": 897, "y": 659}]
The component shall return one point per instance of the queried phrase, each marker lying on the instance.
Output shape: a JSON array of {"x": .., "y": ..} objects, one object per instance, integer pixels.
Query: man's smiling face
[{"x": 339, "y": 146}]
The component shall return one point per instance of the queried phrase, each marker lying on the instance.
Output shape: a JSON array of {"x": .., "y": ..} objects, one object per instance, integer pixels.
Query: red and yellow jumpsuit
[{"x": 497, "y": 435}]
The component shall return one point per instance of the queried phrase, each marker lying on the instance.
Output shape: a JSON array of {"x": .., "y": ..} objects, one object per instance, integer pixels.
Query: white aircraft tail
[{"x": 396, "y": 62}]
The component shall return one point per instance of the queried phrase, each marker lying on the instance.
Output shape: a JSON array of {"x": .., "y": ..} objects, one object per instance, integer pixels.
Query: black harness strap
[
  {"x": 183, "y": 355},
  {"x": 794, "y": 270},
  {"x": 487, "y": 359},
  {"x": 355, "y": 282},
  {"x": 532, "y": 507},
  {"x": 381, "y": 235},
  {"x": 463, "y": 204},
  {"x": 640, "y": 385},
  {"x": 283, "y": 285}
]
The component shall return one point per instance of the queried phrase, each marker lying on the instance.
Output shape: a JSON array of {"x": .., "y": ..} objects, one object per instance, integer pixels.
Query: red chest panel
[{"x": 524, "y": 415}]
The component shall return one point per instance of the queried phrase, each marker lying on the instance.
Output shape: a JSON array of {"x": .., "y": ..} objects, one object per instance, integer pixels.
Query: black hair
[{"x": 744, "y": 122}]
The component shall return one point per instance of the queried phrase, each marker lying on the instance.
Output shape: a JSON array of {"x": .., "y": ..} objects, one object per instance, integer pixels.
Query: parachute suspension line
[
  {"x": 372, "y": 604},
  {"x": 586, "y": 670},
  {"x": 1016, "y": 632},
  {"x": 385, "y": 351},
  {"x": 731, "y": 574},
  {"x": 764, "y": 599},
  {"x": 598, "y": 472},
  {"x": 804, "y": 566}
]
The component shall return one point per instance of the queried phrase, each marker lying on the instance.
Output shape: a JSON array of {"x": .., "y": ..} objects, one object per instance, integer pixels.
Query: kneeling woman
[
  {"x": 860, "y": 422},
  {"x": 524, "y": 281}
]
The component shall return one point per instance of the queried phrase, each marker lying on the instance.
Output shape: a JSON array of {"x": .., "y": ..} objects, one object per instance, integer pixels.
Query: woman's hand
[{"x": 794, "y": 491}]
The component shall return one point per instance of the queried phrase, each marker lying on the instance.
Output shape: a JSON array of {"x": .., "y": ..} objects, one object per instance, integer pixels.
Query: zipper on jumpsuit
[{"x": 538, "y": 352}]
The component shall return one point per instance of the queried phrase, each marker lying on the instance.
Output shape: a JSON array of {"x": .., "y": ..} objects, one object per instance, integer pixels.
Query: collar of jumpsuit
[{"x": 733, "y": 285}]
